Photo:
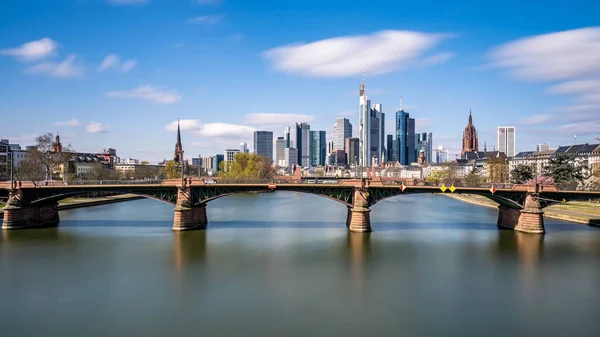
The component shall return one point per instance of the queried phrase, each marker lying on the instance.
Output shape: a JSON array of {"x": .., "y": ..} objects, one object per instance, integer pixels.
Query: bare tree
[{"x": 44, "y": 155}]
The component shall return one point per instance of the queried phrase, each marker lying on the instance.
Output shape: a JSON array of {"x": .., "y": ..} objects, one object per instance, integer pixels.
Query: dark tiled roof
[
  {"x": 523, "y": 155},
  {"x": 574, "y": 148},
  {"x": 588, "y": 148}
]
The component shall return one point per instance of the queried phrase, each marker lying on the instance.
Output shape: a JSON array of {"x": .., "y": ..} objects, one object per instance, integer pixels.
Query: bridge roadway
[{"x": 30, "y": 205}]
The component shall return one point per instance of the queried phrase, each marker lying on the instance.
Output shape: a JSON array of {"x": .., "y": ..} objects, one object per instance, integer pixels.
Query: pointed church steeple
[
  {"x": 178, "y": 147},
  {"x": 470, "y": 117}
]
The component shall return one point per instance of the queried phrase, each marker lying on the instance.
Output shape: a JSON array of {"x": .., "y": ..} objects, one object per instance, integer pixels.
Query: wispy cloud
[
  {"x": 570, "y": 57},
  {"x": 536, "y": 119},
  {"x": 378, "y": 53},
  {"x": 225, "y": 130},
  {"x": 113, "y": 61},
  {"x": 34, "y": 50},
  {"x": 72, "y": 122},
  {"x": 148, "y": 93},
  {"x": 64, "y": 69},
  {"x": 127, "y": 2},
  {"x": 95, "y": 127},
  {"x": 269, "y": 119},
  {"x": 184, "y": 124},
  {"x": 436, "y": 59},
  {"x": 206, "y": 19}
]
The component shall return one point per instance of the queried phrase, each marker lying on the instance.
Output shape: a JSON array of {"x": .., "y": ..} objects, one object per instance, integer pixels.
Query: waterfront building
[{"x": 342, "y": 129}]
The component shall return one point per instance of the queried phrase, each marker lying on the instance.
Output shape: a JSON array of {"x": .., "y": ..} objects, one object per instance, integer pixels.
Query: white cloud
[
  {"x": 377, "y": 53},
  {"x": 277, "y": 119},
  {"x": 589, "y": 127},
  {"x": 437, "y": 58},
  {"x": 113, "y": 61},
  {"x": 206, "y": 19},
  {"x": 95, "y": 127},
  {"x": 184, "y": 124},
  {"x": 556, "y": 56},
  {"x": 66, "y": 68},
  {"x": 576, "y": 87},
  {"x": 148, "y": 93},
  {"x": 27, "y": 138},
  {"x": 536, "y": 119},
  {"x": 34, "y": 50},
  {"x": 225, "y": 130},
  {"x": 127, "y": 2},
  {"x": 72, "y": 122}
]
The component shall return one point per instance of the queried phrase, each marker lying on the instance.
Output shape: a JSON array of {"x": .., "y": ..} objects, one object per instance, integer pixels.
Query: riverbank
[
  {"x": 70, "y": 203},
  {"x": 575, "y": 211}
]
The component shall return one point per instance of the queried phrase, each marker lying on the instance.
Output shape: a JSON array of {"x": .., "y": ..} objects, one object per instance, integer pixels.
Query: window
[{"x": 3, "y": 148}]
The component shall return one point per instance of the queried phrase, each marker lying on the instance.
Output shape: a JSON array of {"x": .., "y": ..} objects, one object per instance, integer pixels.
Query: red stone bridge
[{"x": 29, "y": 205}]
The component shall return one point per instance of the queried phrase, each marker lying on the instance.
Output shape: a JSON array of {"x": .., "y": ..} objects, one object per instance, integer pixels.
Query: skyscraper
[
  {"x": 263, "y": 144},
  {"x": 425, "y": 143},
  {"x": 280, "y": 150},
  {"x": 389, "y": 148},
  {"x": 364, "y": 133},
  {"x": 318, "y": 148},
  {"x": 286, "y": 136},
  {"x": 371, "y": 130},
  {"x": 505, "y": 140},
  {"x": 470, "y": 138},
  {"x": 244, "y": 147},
  {"x": 300, "y": 139},
  {"x": 352, "y": 146},
  {"x": 342, "y": 129},
  {"x": 405, "y": 137}
]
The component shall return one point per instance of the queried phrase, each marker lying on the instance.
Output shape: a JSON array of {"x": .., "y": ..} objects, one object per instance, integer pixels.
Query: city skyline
[{"x": 98, "y": 91}]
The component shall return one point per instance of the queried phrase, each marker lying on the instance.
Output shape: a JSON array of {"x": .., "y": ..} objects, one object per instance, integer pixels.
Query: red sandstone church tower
[
  {"x": 178, "y": 148},
  {"x": 470, "y": 141}
]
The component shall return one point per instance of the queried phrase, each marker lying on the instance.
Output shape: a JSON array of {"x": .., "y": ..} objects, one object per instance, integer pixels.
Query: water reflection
[
  {"x": 358, "y": 247},
  {"x": 189, "y": 248}
]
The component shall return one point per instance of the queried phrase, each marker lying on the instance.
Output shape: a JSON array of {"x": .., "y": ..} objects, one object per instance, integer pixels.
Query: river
[{"x": 283, "y": 264}]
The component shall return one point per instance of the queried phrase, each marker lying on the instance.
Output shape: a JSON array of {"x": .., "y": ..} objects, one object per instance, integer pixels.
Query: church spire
[
  {"x": 470, "y": 117},
  {"x": 178, "y": 147}
]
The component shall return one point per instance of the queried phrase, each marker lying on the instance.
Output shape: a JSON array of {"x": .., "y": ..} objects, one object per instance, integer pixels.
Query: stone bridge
[{"x": 521, "y": 207}]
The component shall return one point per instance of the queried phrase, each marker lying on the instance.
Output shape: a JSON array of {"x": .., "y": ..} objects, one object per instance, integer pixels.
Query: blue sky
[{"x": 117, "y": 73}]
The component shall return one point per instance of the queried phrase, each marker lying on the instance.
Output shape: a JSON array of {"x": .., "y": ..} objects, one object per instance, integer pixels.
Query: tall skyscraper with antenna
[{"x": 371, "y": 132}]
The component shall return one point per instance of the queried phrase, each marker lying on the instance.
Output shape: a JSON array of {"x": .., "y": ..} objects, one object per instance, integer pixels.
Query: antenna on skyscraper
[{"x": 400, "y": 103}]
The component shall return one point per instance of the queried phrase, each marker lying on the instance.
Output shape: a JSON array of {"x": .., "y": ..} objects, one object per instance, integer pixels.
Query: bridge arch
[{"x": 170, "y": 198}]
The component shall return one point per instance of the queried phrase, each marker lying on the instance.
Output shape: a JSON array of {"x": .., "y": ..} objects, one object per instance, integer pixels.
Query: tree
[
  {"x": 436, "y": 176},
  {"x": 497, "y": 169},
  {"x": 541, "y": 180},
  {"x": 172, "y": 170},
  {"x": 29, "y": 169},
  {"x": 146, "y": 172},
  {"x": 451, "y": 173},
  {"x": 473, "y": 179},
  {"x": 521, "y": 173},
  {"x": 564, "y": 171},
  {"x": 247, "y": 166},
  {"x": 100, "y": 172},
  {"x": 43, "y": 155}
]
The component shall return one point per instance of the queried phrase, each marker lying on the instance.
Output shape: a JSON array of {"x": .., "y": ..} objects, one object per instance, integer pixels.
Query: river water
[{"x": 283, "y": 264}]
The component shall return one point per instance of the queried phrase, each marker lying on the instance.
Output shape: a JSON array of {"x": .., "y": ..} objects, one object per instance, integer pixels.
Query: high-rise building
[
  {"x": 329, "y": 148},
  {"x": 425, "y": 143},
  {"x": 342, "y": 129},
  {"x": 229, "y": 154},
  {"x": 263, "y": 144},
  {"x": 280, "y": 150},
  {"x": 470, "y": 138},
  {"x": 505, "y": 140},
  {"x": 352, "y": 146},
  {"x": 243, "y": 147},
  {"x": 371, "y": 130},
  {"x": 300, "y": 139},
  {"x": 542, "y": 147},
  {"x": 217, "y": 160},
  {"x": 290, "y": 157},
  {"x": 441, "y": 155},
  {"x": 405, "y": 137},
  {"x": 197, "y": 161},
  {"x": 318, "y": 148},
  {"x": 389, "y": 148},
  {"x": 286, "y": 136}
]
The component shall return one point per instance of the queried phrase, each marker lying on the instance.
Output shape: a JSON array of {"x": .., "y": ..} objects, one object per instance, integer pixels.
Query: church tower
[
  {"x": 470, "y": 142},
  {"x": 57, "y": 146},
  {"x": 178, "y": 147}
]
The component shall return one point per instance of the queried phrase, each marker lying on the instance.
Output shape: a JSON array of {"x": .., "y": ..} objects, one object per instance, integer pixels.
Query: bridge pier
[
  {"x": 188, "y": 216},
  {"x": 528, "y": 220},
  {"x": 18, "y": 215},
  {"x": 359, "y": 217},
  {"x": 532, "y": 217}
]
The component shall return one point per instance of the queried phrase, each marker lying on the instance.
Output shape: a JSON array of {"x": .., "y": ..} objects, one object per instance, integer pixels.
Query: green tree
[
  {"x": 473, "y": 179},
  {"x": 172, "y": 170},
  {"x": 521, "y": 173},
  {"x": 497, "y": 168},
  {"x": 100, "y": 172},
  {"x": 564, "y": 171},
  {"x": 451, "y": 173},
  {"x": 436, "y": 176},
  {"x": 247, "y": 166},
  {"x": 146, "y": 172}
]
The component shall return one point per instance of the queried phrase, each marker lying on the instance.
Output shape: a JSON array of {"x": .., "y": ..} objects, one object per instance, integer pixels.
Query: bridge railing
[{"x": 109, "y": 182}]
